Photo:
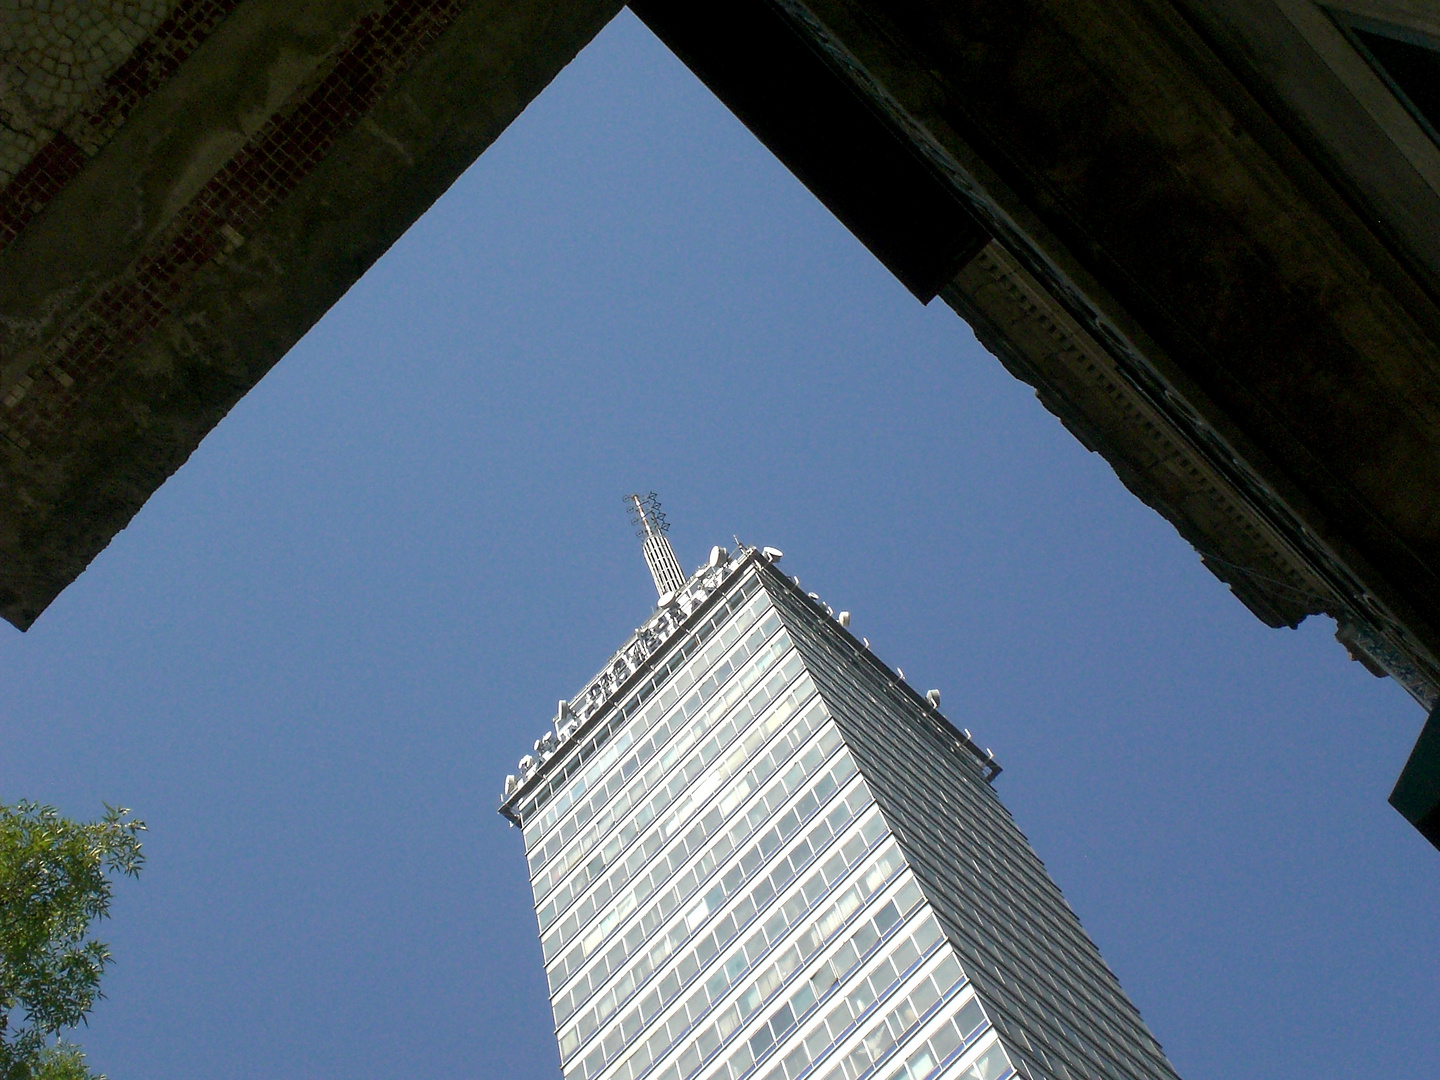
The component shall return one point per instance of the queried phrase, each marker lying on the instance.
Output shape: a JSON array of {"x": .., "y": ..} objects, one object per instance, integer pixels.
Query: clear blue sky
[{"x": 313, "y": 656}]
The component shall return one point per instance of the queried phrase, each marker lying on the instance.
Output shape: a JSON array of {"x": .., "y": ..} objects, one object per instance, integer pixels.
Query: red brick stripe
[
  {"x": 380, "y": 47},
  {"x": 52, "y": 167},
  {"x": 152, "y": 62}
]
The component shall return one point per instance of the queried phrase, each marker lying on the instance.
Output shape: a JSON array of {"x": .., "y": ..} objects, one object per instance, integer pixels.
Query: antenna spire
[{"x": 651, "y": 527}]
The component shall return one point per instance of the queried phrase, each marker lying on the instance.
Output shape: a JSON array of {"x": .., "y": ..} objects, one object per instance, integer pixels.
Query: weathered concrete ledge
[{"x": 235, "y": 202}]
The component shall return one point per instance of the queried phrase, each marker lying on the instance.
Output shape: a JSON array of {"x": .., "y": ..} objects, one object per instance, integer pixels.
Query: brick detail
[
  {"x": 153, "y": 61},
  {"x": 52, "y": 167},
  {"x": 81, "y": 358}
]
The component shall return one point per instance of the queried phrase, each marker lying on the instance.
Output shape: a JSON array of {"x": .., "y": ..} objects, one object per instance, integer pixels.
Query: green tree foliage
[
  {"x": 54, "y": 882},
  {"x": 63, "y": 1061}
]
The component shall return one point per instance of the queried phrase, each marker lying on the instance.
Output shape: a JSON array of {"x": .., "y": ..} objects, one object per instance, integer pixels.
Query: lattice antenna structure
[{"x": 651, "y": 527}]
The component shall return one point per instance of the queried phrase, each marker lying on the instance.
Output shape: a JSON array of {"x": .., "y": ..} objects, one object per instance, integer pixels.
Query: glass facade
[{"x": 756, "y": 853}]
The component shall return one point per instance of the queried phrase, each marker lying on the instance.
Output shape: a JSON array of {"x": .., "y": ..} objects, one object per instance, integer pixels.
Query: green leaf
[{"x": 54, "y": 884}]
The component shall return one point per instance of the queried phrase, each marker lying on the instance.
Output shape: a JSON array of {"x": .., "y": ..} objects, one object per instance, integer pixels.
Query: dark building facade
[{"x": 1207, "y": 232}]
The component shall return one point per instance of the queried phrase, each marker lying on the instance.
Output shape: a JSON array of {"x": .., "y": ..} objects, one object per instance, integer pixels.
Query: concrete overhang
[
  {"x": 1207, "y": 233},
  {"x": 173, "y": 224}
]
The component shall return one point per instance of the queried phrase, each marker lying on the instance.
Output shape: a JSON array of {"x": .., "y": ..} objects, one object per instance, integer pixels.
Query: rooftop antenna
[{"x": 651, "y": 527}]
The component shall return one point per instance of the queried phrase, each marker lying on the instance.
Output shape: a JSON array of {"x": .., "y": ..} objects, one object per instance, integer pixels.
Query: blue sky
[{"x": 310, "y": 660}]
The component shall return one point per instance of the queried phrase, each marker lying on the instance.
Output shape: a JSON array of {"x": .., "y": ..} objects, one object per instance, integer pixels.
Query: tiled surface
[
  {"x": 54, "y": 54},
  {"x": 225, "y": 211},
  {"x": 1050, "y": 994},
  {"x": 46, "y": 136}
]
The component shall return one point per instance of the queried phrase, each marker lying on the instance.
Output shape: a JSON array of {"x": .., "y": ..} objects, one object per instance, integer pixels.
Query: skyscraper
[{"x": 756, "y": 852}]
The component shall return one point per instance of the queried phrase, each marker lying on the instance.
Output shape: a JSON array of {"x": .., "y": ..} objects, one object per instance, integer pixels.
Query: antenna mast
[{"x": 651, "y": 527}]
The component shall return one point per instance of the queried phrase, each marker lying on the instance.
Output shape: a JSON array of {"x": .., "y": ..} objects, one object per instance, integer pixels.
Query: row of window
[
  {"x": 984, "y": 872},
  {"x": 643, "y": 852},
  {"x": 1020, "y": 888},
  {"x": 848, "y": 855},
  {"x": 775, "y": 940},
  {"x": 929, "y": 771},
  {"x": 673, "y": 724},
  {"x": 724, "y": 887},
  {"x": 866, "y": 991},
  {"x": 1009, "y": 895},
  {"x": 930, "y": 1058},
  {"x": 993, "y": 1064},
  {"x": 621, "y": 715},
  {"x": 646, "y": 852},
  {"x": 704, "y": 870},
  {"x": 567, "y": 1003},
  {"x": 890, "y": 1032},
  {"x": 929, "y": 779},
  {"x": 663, "y": 866},
  {"x": 933, "y": 1053},
  {"x": 907, "y": 947},
  {"x": 1046, "y": 983},
  {"x": 673, "y": 778}
]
